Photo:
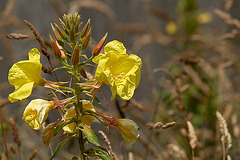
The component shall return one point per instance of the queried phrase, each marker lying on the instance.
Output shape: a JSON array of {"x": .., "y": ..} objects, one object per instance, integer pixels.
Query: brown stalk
[
  {"x": 8, "y": 9},
  {"x": 16, "y": 36},
  {"x": 33, "y": 155},
  {"x": 106, "y": 140},
  {"x": 42, "y": 43},
  {"x": 4, "y": 137}
]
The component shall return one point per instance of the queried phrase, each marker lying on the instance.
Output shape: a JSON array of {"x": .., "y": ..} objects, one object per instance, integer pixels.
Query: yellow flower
[
  {"x": 128, "y": 129},
  {"x": 86, "y": 119},
  {"x": 25, "y": 75},
  {"x": 171, "y": 28},
  {"x": 118, "y": 69},
  {"x": 37, "y": 112},
  {"x": 204, "y": 18},
  {"x": 47, "y": 133}
]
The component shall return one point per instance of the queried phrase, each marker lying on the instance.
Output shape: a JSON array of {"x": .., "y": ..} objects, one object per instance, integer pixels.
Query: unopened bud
[
  {"x": 86, "y": 40},
  {"x": 57, "y": 36},
  {"x": 61, "y": 32},
  {"x": 63, "y": 54},
  {"x": 100, "y": 45},
  {"x": 85, "y": 28},
  {"x": 75, "y": 55},
  {"x": 83, "y": 72},
  {"x": 72, "y": 34},
  {"x": 55, "y": 48}
]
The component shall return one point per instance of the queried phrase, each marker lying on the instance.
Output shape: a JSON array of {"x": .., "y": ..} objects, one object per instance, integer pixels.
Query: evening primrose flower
[
  {"x": 118, "y": 69},
  {"x": 86, "y": 119},
  {"x": 128, "y": 129},
  {"x": 25, "y": 75},
  {"x": 36, "y": 112}
]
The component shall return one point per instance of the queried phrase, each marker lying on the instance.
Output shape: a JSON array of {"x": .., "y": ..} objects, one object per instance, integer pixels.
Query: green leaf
[
  {"x": 90, "y": 135},
  {"x": 58, "y": 128},
  {"x": 59, "y": 147},
  {"x": 98, "y": 153},
  {"x": 61, "y": 125},
  {"x": 61, "y": 67},
  {"x": 97, "y": 100},
  {"x": 74, "y": 158}
]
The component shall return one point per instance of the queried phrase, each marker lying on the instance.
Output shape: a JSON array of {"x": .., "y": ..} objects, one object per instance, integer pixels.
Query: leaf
[
  {"x": 74, "y": 158},
  {"x": 59, "y": 147},
  {"x": 97, "y": 100},
  {"x": 58, "y": 128},
  {"x": 91, "y": 137},
  {"x": 61, "y": 67},
  {"x": 98, "y": 153},
  {"x": 83, "y": 55}
]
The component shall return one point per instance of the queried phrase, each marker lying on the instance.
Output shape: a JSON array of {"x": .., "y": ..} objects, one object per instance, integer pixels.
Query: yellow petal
[
  {"x": 24, "y": 72},
  {"x": 87, "y": 119},
  {"x": 22, "y": 92},
  {"x": 128, "y": 129},
  {"x": 71, "y": 127},
  {"x": 25, "y": 75},
  {"x": 34, "y": 55},
  {"x": 119, "y": 70},
  {"x": 115, "y": 47},
  {"x": 98, "y": 57},
  {"x": 37, "y": 112}
]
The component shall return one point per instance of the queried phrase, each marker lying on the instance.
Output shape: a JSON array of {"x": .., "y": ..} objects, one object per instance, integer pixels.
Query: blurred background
[{"x": 190, "y": 53}]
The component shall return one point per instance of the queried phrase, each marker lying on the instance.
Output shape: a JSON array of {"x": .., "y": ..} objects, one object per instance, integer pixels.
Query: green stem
[
  {"x": 88, "y": 60},
  {"x": 78, "y": 107}
]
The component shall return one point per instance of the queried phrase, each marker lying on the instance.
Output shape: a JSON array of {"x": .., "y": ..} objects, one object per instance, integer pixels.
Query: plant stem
[
  {"x": 5, "y": 142},
  {"x": 78, "y": 107}
]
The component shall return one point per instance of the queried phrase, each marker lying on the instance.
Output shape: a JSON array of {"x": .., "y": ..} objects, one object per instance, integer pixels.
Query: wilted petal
[
  {"x": 128, "y": 129},
  {"x": 37, "y": 112},
  {"x": 47, "y": 133}
]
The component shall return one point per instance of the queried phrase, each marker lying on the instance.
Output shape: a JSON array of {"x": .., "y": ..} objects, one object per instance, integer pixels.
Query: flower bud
[
  {"x": 85, "y": 29},
  {"x": 100, "y": 45},
  {"x": 61, "y": 32},
  {"x": 47, "y": 133},
  {"x": 72, "y": 34},
  {"x": 83, "y": 73},
  {"x": 75, "y": 55},
  {"x": 55, "y": 48},
  {"x": 86, "y": 40},
  {"x": 57, "y": 36},
  {"x": 63, "y": 54}
]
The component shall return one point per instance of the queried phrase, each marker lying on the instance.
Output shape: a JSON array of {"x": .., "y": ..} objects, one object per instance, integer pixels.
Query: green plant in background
[
  {"x": 115, "y": 68},
  {"x": 196, "y": 78}
]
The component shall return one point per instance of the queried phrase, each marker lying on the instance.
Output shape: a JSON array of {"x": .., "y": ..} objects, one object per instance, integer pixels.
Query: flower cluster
[{"x": 115, "y": 68}]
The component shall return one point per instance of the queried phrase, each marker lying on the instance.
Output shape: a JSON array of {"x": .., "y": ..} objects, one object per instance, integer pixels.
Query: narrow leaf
[
  {"x": 90, "y": 135},
  {"x": 74, "y": 158},
  {"x": 98, "y": 153},
  {"x": 59, "y": 147}
]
